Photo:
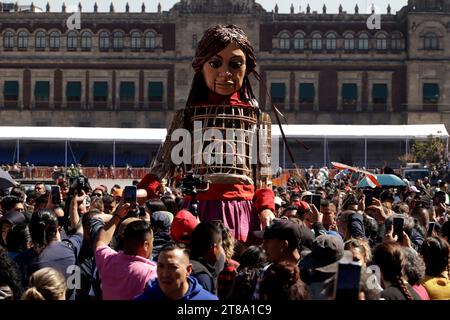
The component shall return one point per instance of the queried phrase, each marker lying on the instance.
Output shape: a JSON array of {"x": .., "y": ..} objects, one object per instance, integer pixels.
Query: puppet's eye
[
  {"x": 215, "y": 64},
  {"x": 236, "y": 64}
]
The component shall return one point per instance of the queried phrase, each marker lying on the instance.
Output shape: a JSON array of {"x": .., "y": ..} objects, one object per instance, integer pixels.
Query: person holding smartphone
[{"x": 126, "y": 273}]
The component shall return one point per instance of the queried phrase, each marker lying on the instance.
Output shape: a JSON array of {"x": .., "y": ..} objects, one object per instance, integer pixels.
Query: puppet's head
[{"x": 223, "y": 60}]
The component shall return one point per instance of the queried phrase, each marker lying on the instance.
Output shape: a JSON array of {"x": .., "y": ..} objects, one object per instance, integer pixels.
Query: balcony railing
[
  {"x": 314, "y": 107},
  {"x": 43, "y": 173},
  {"x": 427, "y": 107}
]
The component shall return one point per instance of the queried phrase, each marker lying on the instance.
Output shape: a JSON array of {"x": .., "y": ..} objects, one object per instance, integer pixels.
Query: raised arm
[
  {"x": 106, "y": 233},
  {"x": 74, "y": 217}
]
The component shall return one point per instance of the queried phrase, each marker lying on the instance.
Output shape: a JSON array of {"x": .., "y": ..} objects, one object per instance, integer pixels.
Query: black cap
[
  {"x": 282, "y": 230},
  {"x": 16, "y": 217},
  {"x": 326, "y": 251}
]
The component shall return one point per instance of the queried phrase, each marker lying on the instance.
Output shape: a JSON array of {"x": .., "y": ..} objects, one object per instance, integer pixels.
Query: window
[
  {"x": 278, "y": 92},
  {"x": 40, "y": 40},
  {"x": 100, "y": 91},
  {"x": 104, "y": 40},
  {"x": 86, "y": 40},
  {"x": 363, "y": 42},
  {"x": 430, "y": 41},
  {"x": 118, "y": 40},
  {"x": 284, "y": 41},
  {"x": 349, "y": 42},
  {"x": 396, "y": 42},
  {"x": 349, "y": 93},
  {"x": 72, "y": 40},
  {"x": 379, "y": 93},
  {"x": 11, "y": 90},
  {"x": 22, "y": 42},
  {"x": 42, "y": 91},
  {"x": 73, "y": 91},
  {"x": 8, "y": 40},
  {"x": 150, "y": 40},
  {"x": 135, "y": 40},
  {"x": 299, "y": 42},
  {"x": 155, "y": 91},
  {"x": 331, "y": 42},
  {"x": 430, "y": 93},
  {"x": 54, "y": 40},
  {"x": 307, "y": 93},
  {"x": 381, "y": 42},
  {"x": 317, "y": 42},
  {"x": 127, "y": 91},
  {"x": 194, "y": 41}
]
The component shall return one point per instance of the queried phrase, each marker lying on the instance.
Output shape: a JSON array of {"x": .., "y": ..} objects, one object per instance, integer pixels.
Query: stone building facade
[{"x": 132, "y": 69}]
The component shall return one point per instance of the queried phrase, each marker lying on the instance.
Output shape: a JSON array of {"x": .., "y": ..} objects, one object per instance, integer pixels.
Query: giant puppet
[{"x": 228, "y": 135}]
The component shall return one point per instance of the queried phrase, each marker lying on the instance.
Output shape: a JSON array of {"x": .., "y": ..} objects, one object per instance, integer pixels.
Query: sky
[{"x": 284, "y": 5}]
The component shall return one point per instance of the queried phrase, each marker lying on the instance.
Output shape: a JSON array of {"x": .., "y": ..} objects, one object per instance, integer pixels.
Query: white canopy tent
[
  {"x": 82, "y": 134},
  {"x": 157, "y": 136},
  {"x": 362, "y": 132},
  {"x": 384, "y": 132}
]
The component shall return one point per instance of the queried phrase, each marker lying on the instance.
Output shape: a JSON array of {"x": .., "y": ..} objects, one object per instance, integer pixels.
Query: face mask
[{"x": 220, "y": 263}]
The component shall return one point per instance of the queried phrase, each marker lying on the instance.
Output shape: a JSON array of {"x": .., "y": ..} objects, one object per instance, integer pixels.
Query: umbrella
[
  {"x": 372, "y": 180},
  {"x": 386, "y": 181},
  {"x": 6, "y": 181}
]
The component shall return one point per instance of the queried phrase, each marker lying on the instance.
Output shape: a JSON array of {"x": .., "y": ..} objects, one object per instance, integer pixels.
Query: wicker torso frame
[
  {"x": 222, "y": 139},
  {"x": 244, "y": 119}
]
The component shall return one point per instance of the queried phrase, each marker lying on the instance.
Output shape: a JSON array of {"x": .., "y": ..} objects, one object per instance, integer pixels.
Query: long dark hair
[
  {"x": 435, "y": 252},
  {"x": 391, "y": 260},
  {"x": 43, "y": 228},
  {"x": 214, "y": 40},
  {"x": 282, "y": 282}
]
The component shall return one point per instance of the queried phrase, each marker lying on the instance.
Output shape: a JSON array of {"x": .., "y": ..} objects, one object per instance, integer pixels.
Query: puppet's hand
[{"x": 266, "y": 217}]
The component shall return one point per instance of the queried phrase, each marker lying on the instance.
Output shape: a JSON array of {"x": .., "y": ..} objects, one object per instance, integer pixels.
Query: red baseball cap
[
  {"x": 182, "y": 226},
  {"x": 302, "y": 206}
]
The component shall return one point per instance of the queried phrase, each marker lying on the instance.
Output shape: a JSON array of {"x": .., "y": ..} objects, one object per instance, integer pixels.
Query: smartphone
[
  {"x": 431, "y": 226},
  {"x": 368, "y": 198},
  {"x": 313, "y": 199},
  {"x": 56, "y": 194},
  {"x": 398, "y": 228},
  {"x": 142, "y": 212},
  {"x": 129, "y": 195},
  {"x": 347, "y": 281}
]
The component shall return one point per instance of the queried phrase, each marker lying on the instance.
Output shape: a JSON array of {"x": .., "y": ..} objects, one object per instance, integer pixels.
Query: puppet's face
[{"x": 225, "y": 71}]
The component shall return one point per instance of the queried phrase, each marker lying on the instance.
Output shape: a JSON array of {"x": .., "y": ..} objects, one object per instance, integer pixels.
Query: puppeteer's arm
[{"x": 162, "y": 165}]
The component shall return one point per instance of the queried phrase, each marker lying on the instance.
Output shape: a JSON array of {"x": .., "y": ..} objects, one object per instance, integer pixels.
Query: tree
[
  {"x": 407, "y": 157},
  {"x": 430, "y": 151}
]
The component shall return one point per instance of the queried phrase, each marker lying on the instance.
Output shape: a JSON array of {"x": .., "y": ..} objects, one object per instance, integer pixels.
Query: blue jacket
[
  {"x": 355, "y": 225},
  {"x": 195, "y": 292}
]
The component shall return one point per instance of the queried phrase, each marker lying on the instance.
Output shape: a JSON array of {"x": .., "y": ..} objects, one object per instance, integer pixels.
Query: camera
[
  {"x": 191, "y": 185},
  {"x": 79, "y": 183}
]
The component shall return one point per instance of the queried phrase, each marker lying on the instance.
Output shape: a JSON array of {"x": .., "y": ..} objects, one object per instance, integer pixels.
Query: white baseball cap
[{"x": 278, "y": 201}]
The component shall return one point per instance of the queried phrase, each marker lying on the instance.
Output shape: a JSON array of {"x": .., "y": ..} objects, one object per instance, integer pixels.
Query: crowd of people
[
  {"x": 90, "y": 244},
  {"x": 31, "y": 172},
  {"x": 316, "y": 236}
]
